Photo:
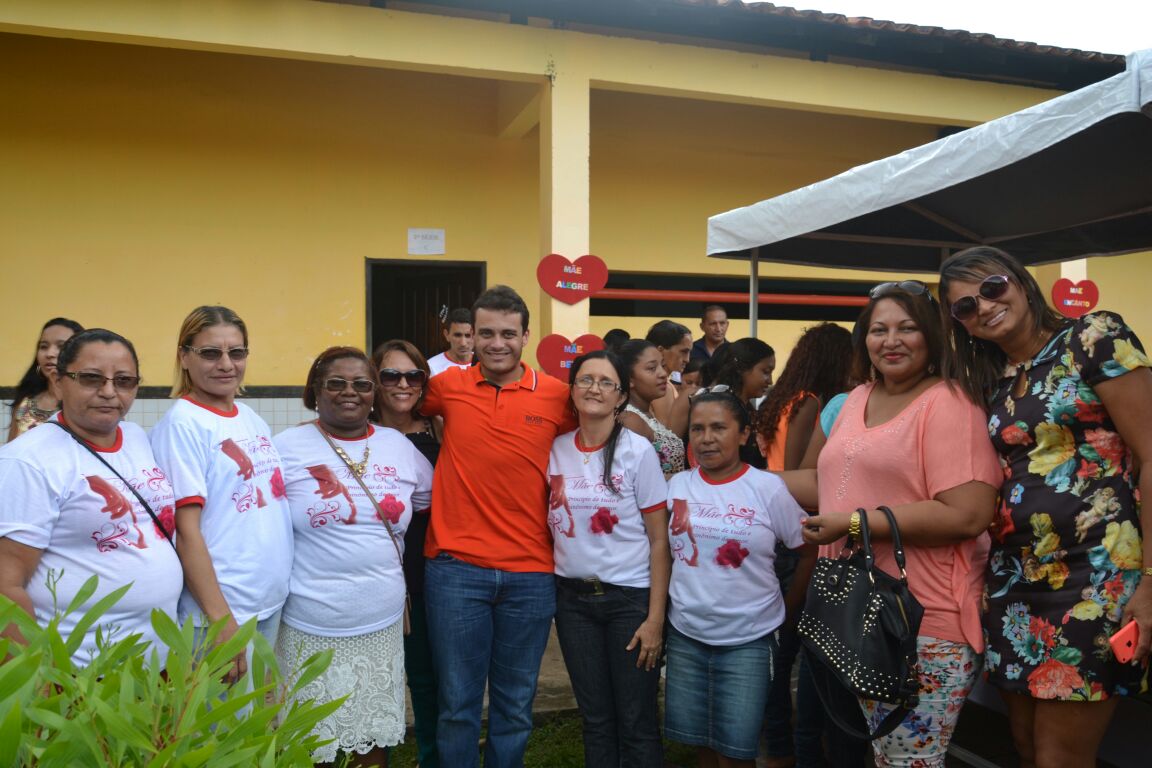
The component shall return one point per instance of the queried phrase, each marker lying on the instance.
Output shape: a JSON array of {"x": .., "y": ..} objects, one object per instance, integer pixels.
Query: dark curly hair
[{"x": 820, "y": 365}]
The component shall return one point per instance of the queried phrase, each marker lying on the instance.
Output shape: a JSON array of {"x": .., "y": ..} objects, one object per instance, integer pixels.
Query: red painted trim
[
  {"x": 188, "y": 501},
  {"x": 655, "y": 508},
  {"x": 796, "y": 299}
]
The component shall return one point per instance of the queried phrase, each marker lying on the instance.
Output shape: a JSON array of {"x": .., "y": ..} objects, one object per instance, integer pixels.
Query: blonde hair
[{"x": 197, "y": 320}]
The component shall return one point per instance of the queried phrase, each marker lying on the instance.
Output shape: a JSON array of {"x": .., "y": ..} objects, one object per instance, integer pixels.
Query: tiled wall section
[{"x": 279, "y": 412}]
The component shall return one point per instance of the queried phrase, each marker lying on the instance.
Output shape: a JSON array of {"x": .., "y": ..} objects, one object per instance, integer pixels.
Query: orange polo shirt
[{"x": 490, "y": 489}]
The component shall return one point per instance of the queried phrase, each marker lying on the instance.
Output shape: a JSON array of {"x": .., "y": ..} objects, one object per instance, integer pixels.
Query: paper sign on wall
[{"x": 425, "y": 242}]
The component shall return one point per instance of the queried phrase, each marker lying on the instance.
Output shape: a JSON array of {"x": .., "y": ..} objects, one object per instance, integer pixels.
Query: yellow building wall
[{"x": 141, "y": 182}]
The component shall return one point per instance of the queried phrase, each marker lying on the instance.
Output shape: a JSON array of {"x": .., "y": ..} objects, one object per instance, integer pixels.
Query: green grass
[{"x": 555, "y": 743}]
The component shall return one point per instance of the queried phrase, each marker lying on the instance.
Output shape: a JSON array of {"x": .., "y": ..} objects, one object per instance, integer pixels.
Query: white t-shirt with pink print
[
  {"x": 59, "y": 498},
  {"x": 723, "y": 536},
  {"x": 227, "y": 463},
  {"x": 346, "y": 577},
  {"x": 596, "y": 532}
]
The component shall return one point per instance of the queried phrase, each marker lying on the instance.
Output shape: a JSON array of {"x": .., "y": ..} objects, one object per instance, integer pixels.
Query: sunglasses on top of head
[
  {"x": 390, "y": 377},
  {"x": 913, "y": 287},
  {"x": 991, "y": 288}
]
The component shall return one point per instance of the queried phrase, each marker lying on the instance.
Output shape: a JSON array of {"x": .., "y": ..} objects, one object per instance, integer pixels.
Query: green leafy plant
[{"x": 131, "y": 708}]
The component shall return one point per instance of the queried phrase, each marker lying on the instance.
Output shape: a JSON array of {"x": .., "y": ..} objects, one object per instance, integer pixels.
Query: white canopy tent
[{"x": 1068, "y": 178}]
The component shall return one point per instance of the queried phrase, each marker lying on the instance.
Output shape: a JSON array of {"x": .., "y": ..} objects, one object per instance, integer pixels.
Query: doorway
[{"x": 407, "y": 298}]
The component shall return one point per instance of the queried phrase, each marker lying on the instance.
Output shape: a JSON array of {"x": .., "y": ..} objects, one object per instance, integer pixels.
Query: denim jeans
[
  {"x": 487, "y": 627},
  {"x": 617, "y": 700}
]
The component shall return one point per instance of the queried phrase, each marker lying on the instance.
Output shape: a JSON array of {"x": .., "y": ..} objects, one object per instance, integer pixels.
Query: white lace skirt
[{"x": 369, "y": 667}]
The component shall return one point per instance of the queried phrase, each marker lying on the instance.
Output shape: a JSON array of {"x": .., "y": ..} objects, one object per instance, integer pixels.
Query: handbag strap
[
  {"x": 866, "y": 540},
  {"x": 897, "y": 545},
  {"x": 830, "y": 692},
  {"x": 363, "y": 487},
  {"x": 127, "y": 484}
]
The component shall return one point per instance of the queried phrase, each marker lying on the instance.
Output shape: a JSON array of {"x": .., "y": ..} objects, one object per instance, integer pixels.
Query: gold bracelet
[
  {"x": 1147, "y": 571},
  {"x": 854, "y": 525}
]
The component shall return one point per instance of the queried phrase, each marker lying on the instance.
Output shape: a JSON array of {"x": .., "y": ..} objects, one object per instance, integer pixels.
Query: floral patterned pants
[{"x": 948, "y": 671}]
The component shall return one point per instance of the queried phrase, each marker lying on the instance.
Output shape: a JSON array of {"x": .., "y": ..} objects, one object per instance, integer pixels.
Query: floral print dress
[{"x": 1066, "y": 552}]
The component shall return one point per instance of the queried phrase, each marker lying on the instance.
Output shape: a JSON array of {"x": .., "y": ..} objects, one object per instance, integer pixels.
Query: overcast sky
[{"x": 1109, "y": 26}]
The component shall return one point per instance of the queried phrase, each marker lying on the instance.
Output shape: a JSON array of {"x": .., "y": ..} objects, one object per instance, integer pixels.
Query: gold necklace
[{"x": 358, "y": 467}]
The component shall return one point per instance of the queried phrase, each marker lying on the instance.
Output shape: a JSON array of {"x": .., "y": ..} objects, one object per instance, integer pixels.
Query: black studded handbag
[{"x": 858, "y": 631}]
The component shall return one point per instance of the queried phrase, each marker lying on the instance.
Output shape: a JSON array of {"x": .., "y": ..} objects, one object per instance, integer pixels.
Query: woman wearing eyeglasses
[
  {"x": 69, "y": 510},
  {"x": 647, "y": 383},
  {"x": 607, "y": 510},
  {"x": 352, "y": 489},
  {"x": 1068, "y": 411},
  {"x": 402, "y": 373},
  {"x": 911, "y": 440},
  {"x": 234, "y": 534}
]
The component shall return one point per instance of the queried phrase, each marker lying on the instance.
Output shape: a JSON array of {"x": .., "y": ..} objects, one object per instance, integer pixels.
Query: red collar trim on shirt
[
  {"x": 734, "y": 476},
  {"x": 527, "y": 380},
  {"x": 117, "y": 445},
  {"x": 371, "y": 431},
  {"x": 226, "y": 414},
  {"x": 586, "y": 448}
]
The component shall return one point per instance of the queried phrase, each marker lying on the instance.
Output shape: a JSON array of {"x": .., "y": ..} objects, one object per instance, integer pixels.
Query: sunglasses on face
[
  {"x": 212, "y": 354},
  {"x": 92, "y": 380},
  {"x": 336, "y": 385},
  {"x": 913, "y": 287},
  {"x": 390, "y": 377},
  {"x": 991, "y": 288}
]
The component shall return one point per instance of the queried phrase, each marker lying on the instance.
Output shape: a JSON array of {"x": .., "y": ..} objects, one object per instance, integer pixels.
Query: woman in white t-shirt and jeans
[
  {"x": 607, "y": 510},
  {"x": 347, "y": 590},
  {"x": 234, "y": 534},
  {"x": 70, "y": 513},
  {"x": 725, "y": 601}
]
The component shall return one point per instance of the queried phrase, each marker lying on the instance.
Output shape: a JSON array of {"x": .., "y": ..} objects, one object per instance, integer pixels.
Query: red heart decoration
[
  {"x": 1074, "y": 299},
  {"x": 571, "y": 281},
  {"x": 555, "y": 352}
]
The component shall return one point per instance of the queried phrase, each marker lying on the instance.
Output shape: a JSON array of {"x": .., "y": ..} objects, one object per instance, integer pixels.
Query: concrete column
[{"x": 564, "y": 190}]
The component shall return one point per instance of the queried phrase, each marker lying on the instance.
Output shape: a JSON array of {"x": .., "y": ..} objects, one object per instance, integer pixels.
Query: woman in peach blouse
[{"x": 910, "y": 440}]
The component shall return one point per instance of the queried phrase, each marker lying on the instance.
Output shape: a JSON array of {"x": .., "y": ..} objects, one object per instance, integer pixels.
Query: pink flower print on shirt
[
  {"x": 167, "y": 518},
  {"x": 260, "y": 501},
  {"x": 731, "y": 554},
  {"x": 236, "y": 453},
  {"x": 117, "y": 507},
  {"x": 328, "y": 487},
  {"x": 680, "y": 525},
  {"x": 277, "y": 484},
  {"x": 392, "y": 507},
  {"x": 604, "y": 521},
  {"x": 557, "y": 498}
]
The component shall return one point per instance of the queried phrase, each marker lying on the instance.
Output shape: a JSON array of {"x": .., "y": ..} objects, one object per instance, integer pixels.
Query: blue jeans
[
  {"x": 617, "y": 700},
  {"x": 487, "y": 627},
  {"x": 715, "y": 695}
]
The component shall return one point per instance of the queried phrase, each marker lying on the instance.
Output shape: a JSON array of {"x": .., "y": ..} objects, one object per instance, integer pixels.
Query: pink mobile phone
[{"x": 1124, "y": 642}]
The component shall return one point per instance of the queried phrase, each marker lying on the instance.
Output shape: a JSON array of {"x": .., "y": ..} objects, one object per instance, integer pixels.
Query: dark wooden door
[{"x": 407, "y": 299}]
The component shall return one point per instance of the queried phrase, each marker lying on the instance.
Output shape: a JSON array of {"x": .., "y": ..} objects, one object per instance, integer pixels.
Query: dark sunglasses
[
  {"x": 390, "y": 377},
  {"x": 92, "y": 380},
  {"x": 212, "y": 354},
  {"x": 336, "y": 385},
  {"x": 991, "y": 288},
  {"x": 913, "y": 287}
]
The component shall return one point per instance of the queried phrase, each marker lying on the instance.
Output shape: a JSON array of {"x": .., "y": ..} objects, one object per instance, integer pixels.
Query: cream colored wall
[{"x": 141, "y": 182}]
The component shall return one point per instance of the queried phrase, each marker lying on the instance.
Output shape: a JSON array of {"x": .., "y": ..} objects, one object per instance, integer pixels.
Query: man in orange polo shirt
[{"x": 489, "y": 589}]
